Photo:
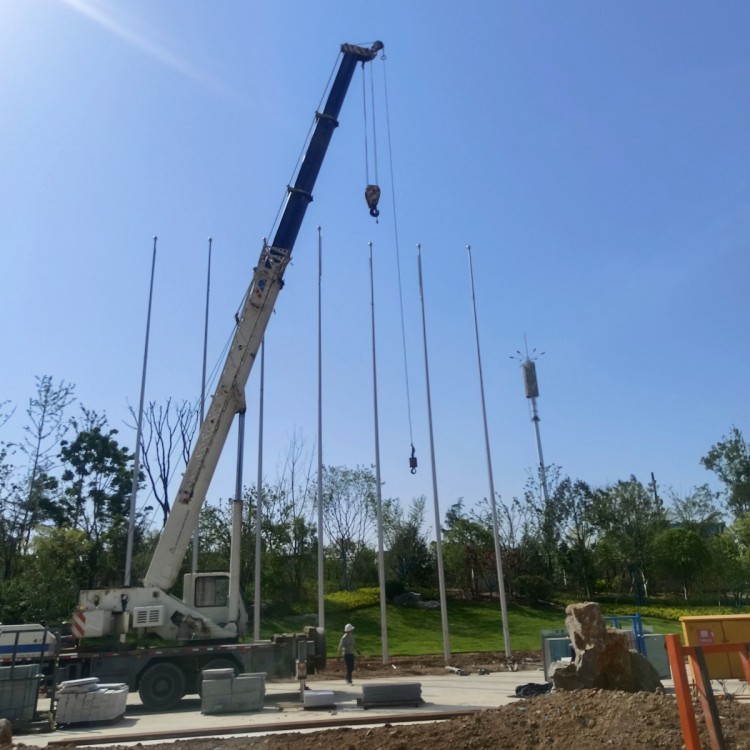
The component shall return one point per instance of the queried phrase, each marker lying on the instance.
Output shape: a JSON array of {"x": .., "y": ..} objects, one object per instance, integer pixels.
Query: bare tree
[
  {"x": 349, "y": 514},
  {"x": 167, "y": 438}
]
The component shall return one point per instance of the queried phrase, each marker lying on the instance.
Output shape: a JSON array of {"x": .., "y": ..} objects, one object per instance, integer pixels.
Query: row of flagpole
[{"x": 320, "y": 530}]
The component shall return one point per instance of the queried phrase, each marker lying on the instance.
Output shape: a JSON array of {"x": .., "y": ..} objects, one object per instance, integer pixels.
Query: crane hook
[
  {"x": 413, "y": 461},
  {"x": 372, "y": 196}
]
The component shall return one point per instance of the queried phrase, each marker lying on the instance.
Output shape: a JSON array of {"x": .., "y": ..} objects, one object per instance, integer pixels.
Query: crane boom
[{"x": 258, "y": 305}]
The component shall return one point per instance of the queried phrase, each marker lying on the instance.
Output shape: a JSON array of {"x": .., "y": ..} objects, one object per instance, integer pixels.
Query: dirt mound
[{"x": 585, "y": 720}]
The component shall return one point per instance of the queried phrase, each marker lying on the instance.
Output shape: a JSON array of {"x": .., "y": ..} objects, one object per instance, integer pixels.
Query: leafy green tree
[
  {"x": 627, "y": 517},
  {"x": 96, "y": 488},
  {"x": 60, "y": 559},
  {"x": 698, "y": 510},
  {"x": 729, "y": 459},
  {"x": 469, "y": 551},
  {"x": 408, "y": 558},
  {"x": 575, "y": 502},
  {"x": 682, "y": 556},
  {"x": 730, "y": 569}
]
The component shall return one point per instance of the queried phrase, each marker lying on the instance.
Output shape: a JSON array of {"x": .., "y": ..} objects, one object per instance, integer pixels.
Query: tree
[
  {"x": 730, "y": 552},
  {"x": 60, "y": 559},
  {"x": 627, "y": 517},
  {"x": 167, "y": 437},
  {"x": 729, "y": 459},
  {"x": 349, "y": 515},
  {"x": 25, "y": 498},
  {"x": 548, "y": 519},
  {"x": 575, "y": 501},
  {"x": 697, "y": 511},
  {"x": 681, "y": 556},
  {"x": 408, "y": 558},
  {"x": 469, "y": 551},
  {"x": 96, "y": 488}
]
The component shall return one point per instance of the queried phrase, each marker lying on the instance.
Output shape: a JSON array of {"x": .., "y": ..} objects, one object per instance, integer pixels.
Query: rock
[
  {"x": 603, "y": 658},
  {"x": 6, "y": 732},
  {"x": 407, "y": 599}
]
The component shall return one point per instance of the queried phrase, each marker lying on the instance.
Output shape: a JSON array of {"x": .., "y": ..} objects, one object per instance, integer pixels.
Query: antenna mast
[{"x": 531, "y": 385}]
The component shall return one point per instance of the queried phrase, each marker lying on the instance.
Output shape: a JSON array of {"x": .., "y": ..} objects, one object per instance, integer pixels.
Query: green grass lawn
[{"x": 471, "y": 627}]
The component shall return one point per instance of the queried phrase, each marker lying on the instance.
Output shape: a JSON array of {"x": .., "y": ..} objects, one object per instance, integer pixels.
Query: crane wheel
[{"x": 162, "y": 687}]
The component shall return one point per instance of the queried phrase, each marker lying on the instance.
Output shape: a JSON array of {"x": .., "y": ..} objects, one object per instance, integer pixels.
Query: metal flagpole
[
  {"x": 259, "y": 499},
  {"x": 321, "y": 556},
  {"x": 498, "y": 556},
  {"x": 438, "y": 535},
  {"x": 234, "y": 558},
  {"x": 381, "y": 554},
  {"x": 138, "y": 433},
  {"x": 203, "y": 393}
]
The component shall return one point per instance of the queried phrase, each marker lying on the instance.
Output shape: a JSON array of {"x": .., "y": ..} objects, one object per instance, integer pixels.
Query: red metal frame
[{"x": 677, "y": 653}]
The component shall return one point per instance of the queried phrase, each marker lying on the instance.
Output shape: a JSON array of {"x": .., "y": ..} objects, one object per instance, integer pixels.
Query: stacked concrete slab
[
  {"x": 87, "y": 700},
  {"x": 391, "y": 694},
  {"x": 224, "y": 692}
]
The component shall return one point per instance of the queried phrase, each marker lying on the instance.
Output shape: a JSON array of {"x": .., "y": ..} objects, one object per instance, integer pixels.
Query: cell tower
[{"x": 531, "y": 385}]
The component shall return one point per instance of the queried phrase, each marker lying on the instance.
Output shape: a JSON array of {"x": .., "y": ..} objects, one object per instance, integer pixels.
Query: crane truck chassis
[
  {"x": 204, "y": 629},
  {"x": 161, "y": 675}
]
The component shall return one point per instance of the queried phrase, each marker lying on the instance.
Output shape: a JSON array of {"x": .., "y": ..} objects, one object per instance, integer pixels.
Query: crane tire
[{"x": 162, "y": 686}]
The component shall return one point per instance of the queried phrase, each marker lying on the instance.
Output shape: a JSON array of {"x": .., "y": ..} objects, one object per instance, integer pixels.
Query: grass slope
[{"x": 471, "y": 627}]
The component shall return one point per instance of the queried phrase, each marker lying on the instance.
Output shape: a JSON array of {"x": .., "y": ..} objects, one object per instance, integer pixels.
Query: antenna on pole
[{"x": 531, "y": 385}]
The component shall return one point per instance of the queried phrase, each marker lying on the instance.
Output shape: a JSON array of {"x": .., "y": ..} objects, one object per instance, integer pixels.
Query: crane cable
[
  {"x": 413, "y": 456},
  {"x": 372, "y": 191}
]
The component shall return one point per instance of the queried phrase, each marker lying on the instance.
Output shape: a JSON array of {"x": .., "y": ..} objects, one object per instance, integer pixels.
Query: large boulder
[{"x": 603, "y": 658}]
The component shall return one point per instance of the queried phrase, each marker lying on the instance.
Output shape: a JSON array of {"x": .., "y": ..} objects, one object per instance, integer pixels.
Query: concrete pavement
[{"x": 283, "y": 709}]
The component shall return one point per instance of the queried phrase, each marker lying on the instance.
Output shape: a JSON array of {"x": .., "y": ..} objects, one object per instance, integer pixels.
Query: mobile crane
[{"x": 206, "y": 625}]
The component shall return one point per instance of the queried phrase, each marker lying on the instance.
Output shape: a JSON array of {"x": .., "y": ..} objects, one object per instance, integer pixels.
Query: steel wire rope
[{"x": 398, "y": 257}]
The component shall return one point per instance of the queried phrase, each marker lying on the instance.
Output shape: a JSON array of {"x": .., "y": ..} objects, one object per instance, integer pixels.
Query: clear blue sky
[{"x": 596, "y": 155}]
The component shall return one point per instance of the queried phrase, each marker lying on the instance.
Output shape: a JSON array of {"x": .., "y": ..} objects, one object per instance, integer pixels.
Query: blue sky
[{"x": 594, "y": 154}]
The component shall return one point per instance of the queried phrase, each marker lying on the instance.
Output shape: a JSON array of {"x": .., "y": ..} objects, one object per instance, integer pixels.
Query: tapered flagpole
[
  {"x": 203, "y": 394},
  {"x": 493, "y": 503},
  {"x": 438, "y": 533},
  {"x": 321, "y": 547},
  {"x": 259, "y": 499},
  {"x": 139, "y": 432},
  {"x": 378, "y": 484}
]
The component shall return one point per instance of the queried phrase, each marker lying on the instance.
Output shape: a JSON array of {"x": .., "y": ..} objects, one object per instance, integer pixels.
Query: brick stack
[
  {"x": 86, "y": 700},
  {"x": 224, "y": 692}
]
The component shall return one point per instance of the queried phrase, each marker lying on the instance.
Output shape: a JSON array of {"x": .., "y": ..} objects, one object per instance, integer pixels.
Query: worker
[{"x": 347, "y": 646}]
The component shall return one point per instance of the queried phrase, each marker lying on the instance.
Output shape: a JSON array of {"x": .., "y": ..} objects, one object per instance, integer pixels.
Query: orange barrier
[{"x": 697, "y": 655}]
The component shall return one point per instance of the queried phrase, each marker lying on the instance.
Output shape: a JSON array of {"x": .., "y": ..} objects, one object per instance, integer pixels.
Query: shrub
[
  {"x": 533, "y": 588},
  {"x": 349, "y": 600}
]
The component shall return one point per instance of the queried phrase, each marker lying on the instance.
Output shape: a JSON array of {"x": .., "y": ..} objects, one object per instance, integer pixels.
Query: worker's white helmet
[{"x": 348, "y": 627}]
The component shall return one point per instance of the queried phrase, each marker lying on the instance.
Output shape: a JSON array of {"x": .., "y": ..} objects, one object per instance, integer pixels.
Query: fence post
[{"x": 682, "y": 692}]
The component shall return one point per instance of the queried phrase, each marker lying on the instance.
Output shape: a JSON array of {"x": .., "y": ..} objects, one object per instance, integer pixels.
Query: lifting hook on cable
[
  {"x": 372, "y": 196},
  {"x": 413, "y": 461}
]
